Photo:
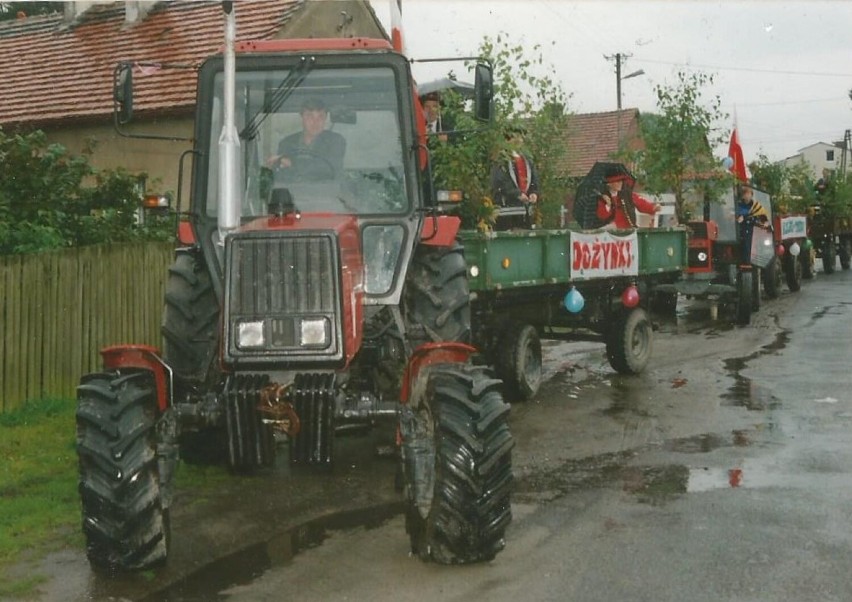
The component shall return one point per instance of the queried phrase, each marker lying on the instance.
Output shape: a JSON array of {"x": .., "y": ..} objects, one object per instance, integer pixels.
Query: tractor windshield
[{"x": 329, "y": 137}]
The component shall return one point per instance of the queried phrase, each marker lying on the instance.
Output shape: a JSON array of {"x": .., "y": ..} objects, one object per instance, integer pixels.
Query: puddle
[
  {"x": 247, "y": 564},
  {"x": 744, "y": 392}
]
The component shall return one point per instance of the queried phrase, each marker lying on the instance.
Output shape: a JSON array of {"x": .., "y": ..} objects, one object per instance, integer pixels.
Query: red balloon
[
  {"x": 630, "y": 296},
  {"x": 780, "y": 250}
]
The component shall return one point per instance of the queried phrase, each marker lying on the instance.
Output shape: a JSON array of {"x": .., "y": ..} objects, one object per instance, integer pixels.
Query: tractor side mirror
[
  {"x": 122, "y": 92},
  {"x": 483, "y": 92}
]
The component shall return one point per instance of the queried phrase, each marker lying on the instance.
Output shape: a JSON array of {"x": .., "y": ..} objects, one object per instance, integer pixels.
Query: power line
[{"x": 746, "y": 69}]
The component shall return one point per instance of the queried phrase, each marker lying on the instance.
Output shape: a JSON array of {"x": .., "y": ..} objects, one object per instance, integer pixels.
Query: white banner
[
  {"x": 602, "y": 254},
  {"x": 794, "y": 226}
]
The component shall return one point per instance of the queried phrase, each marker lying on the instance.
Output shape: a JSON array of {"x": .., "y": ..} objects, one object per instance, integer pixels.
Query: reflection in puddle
[
  {"x": 247, "y": 564},
  {"x": 744, "y": 392}
]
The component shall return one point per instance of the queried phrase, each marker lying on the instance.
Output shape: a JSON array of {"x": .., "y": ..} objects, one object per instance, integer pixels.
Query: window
[{"x": 829, "y": 155}]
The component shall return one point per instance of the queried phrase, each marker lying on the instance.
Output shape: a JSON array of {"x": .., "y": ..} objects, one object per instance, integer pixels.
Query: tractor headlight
[
  {"x": 314, "y": 333},
  {"x": 250, "y": 334},
  {"x": 702, "y": 257}
]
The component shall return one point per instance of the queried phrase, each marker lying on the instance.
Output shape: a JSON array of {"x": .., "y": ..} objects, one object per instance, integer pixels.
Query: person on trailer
[
  {"x": 514, "y": 185},
  {"x": 617, "y": 206},
  {"x": 315, "y": 153}
]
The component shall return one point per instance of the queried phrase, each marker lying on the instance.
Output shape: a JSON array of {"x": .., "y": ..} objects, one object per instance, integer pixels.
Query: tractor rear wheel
[
  {"x": 121, "y": 483},
  {"x": 519, "y": 361},
  {"x": 456, "y": 465},
  {"x": 829, "y": 257},
  {"x": 630, "y": 341},
  {"x": 844, "y": 252},
  {"x": 806, "y": 257},
  {"x": 190, "y": 321},
  {"x": 438, "y": 296}
]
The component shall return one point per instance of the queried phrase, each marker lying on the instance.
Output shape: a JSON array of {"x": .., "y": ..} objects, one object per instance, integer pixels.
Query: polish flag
[
  {"x": 735, "y": 152},
  {"x": 396, "y": 26}
]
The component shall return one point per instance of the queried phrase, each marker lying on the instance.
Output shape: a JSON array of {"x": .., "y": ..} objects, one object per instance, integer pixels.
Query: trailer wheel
[
  {"x": 844, "y": 252},
  {"x": 519, "y": 361},
  {"x": 793, "y": 272},
  {"x": 829, "y": 257},
  {"x": 438, "y": 296},
  {"x": 121, "y": 485},
  {"x": 807, "y": 260},
  {"x": 457, "y": 466},
  {"x": 629, "y": 342},
  {"x": 744, "y": 291},
  {"x": 772, "y": 279}
]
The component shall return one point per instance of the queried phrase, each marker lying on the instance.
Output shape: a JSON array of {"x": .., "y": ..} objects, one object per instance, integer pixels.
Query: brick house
[{"x": 56, "y": 71}]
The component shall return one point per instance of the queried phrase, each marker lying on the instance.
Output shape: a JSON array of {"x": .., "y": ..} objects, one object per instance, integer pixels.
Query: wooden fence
[{"x": 58, "y": 309}]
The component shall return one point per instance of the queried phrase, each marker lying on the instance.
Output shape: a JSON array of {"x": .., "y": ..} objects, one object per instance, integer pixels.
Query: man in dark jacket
[
  {"x": 514, "y": 185},
  {"x": 315, "y": 153}
]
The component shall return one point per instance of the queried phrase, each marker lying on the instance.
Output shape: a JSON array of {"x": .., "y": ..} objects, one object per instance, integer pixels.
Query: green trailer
[{"x": 570, "y": 285}]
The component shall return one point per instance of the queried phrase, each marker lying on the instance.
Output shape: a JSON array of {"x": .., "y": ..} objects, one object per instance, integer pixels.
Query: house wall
[
  {"x": 815, "y": 157},
  {"x": 158, "y": 158}
]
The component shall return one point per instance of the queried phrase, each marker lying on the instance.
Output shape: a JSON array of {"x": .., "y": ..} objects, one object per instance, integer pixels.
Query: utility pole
[{"x": 620, "y": 59}]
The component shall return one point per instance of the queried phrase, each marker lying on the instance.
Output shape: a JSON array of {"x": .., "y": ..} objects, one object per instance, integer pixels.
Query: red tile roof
[
  {"x": 52, "y": 70},
  {"x": 597, "y": 137}
]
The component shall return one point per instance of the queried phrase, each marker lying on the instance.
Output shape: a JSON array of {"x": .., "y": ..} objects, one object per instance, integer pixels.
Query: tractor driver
[{"x": 315, "y": 153}]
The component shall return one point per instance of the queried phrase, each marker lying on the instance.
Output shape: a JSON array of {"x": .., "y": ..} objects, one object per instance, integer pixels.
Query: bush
[{"x": 51, "y": 199}]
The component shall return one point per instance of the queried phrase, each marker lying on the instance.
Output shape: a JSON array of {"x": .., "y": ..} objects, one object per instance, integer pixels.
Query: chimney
[{"x": 135, "y": 10}]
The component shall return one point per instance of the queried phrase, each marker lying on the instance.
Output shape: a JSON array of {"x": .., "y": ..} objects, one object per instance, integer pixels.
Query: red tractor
[{"x": 303, "y": 297}]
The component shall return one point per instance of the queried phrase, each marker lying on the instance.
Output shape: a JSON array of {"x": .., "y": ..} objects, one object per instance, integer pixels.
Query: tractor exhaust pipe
[{"x": 229, "y": 141}]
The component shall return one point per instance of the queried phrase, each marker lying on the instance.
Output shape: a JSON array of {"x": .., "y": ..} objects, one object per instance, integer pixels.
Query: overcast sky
[{"x": 783, "y": 68}]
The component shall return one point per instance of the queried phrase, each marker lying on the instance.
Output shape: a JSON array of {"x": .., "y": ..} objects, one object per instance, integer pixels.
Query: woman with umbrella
[{"x": 617, "y": 207}]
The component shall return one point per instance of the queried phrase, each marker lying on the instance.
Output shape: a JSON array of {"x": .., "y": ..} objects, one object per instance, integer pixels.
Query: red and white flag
[
  {"x": 735, "y": 152},
  {"x": 396, "y": 26}
]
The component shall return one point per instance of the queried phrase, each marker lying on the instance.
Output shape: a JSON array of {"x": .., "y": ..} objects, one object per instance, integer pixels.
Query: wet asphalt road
[{"x": 720, "y": 473}]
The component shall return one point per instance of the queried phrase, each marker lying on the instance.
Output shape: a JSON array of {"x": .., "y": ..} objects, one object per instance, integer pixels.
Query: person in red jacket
[{"x": 617, "y": 207}]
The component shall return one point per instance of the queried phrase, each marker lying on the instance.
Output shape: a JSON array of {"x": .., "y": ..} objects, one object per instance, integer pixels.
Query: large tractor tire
[
  {"x": 793, "y": 272},
  {"x": 518, "y": 362},
  {"x": 829, "y": 257},
  {"x": 630, "y": 341},
  {"x": 438, "y": 296},
  {"x": 745, "y": 287},
  {"x": 190, "y": 321},
  {"x": 457, "y": 465},
  {"x": 756, "y": 277},
  {"x": 121, "y": 483},
  {"x": 190, "y": 331},
  {"x": 772, "y": 279},
  {"x": 844, "y": 252}
]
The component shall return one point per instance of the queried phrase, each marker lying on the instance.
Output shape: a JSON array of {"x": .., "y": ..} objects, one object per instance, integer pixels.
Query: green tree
[
  {"x": 525, "y": 96},
  {"x": 50, "y": 198},
  {"x": 10, "y": 10},
  {"x": 790, "y": 187},
  {"x": 679, "y": 140}
]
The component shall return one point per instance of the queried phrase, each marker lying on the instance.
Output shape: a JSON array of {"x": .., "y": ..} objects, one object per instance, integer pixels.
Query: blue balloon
[
  {"x": 727, "y": 162},
  {"x": 574, "y": 301}
]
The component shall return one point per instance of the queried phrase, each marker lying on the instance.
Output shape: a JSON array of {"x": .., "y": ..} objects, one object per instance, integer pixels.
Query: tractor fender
[
  {"x": 145, "y": 357},
  {"x": 429, "y": 354},
  {"x": 440, "y": 230}
]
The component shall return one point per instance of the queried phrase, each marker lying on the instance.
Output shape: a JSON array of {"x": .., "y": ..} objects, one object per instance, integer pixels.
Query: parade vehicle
[
  {"x": 719, "y": 269},
  {"x": 567, "y": 285},
  {"x": 832, "y": 238},
  {"x": 793, "y": 261},
  {"x": 302, "y": 300}
]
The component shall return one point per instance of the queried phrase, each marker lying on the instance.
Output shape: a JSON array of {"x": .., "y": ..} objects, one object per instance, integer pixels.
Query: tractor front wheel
[
  {"x": 793, "y": 272},
  {"x": 457, "y": 465},
  {"x": 772, "y": 279},
  {"x": 744, "y": 294},
  {"x": 122, "y": 483}
]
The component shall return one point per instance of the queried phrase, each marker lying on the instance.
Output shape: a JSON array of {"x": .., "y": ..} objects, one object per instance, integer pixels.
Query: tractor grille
[{"x": 282, "y": 281}]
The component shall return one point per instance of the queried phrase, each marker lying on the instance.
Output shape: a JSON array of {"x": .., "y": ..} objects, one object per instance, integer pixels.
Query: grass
[{"x": 39, "y": 504}]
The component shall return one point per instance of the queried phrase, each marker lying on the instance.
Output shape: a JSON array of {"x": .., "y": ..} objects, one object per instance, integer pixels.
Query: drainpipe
[{"x": 229, "y": 141}]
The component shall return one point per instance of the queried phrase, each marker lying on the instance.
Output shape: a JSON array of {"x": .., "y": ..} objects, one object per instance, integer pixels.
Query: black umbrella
[
  {"x": 592, "y": 186},
  {"x": 445, "y": 83}
]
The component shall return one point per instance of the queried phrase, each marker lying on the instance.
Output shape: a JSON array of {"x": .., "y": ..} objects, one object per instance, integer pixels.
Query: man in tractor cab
[{"x": 313, "y": 154}]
